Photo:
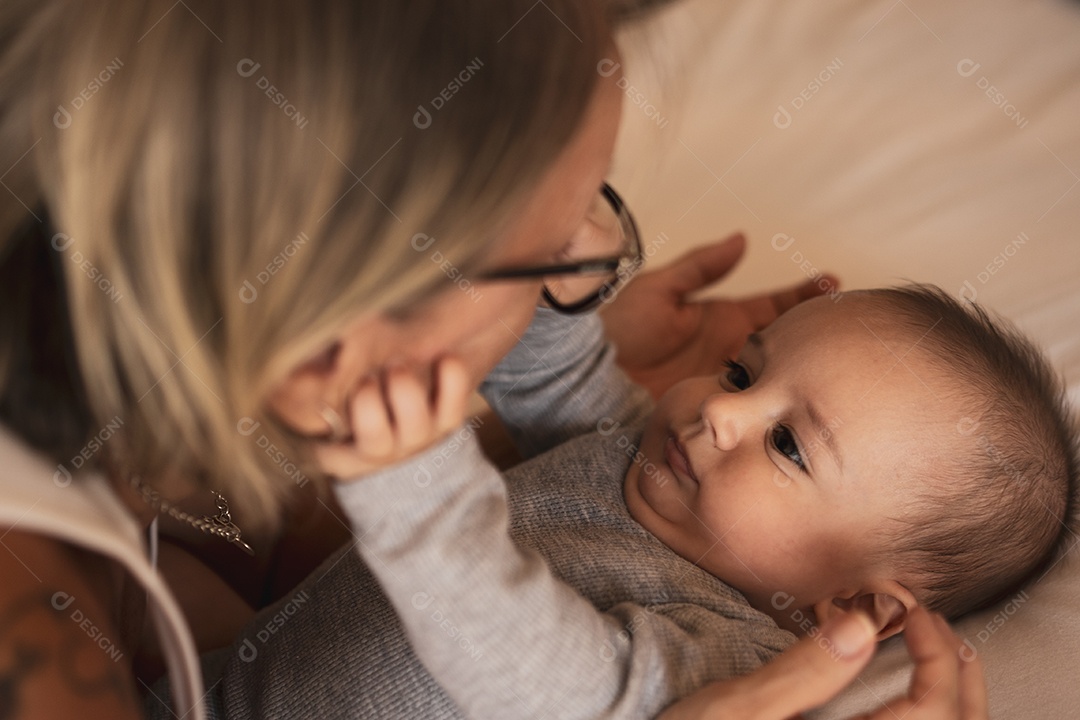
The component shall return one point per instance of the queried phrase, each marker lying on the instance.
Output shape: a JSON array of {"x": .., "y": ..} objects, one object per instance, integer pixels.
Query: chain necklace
[{"x": 220, "y": 525}]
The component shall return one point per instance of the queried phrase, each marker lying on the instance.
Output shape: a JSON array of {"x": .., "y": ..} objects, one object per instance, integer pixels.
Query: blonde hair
[{"x": 213, "y": 190}]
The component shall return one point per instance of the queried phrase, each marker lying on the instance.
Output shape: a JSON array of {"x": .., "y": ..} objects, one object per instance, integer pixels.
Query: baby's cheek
[
  {"x": 813, "y": 563},
  {"x": 840, "y": 552},
  {"x": 738, "y": 563},
  {"x": 757, "y": 544}
]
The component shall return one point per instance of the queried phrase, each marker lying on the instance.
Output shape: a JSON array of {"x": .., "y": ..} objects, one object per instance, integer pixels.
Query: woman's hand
[
  {"x": 395, "y": 415},
  {"x": 663, "y": 338},
  {"x": 946, "y": 685}
]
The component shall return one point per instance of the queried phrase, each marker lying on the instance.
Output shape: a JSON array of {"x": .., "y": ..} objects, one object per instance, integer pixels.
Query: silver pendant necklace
[{"x": 220, "y": 525}]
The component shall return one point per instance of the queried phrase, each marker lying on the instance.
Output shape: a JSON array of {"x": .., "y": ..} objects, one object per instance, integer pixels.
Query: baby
[
  {"x": 877, "y": 452},
  {"x": 899, "y": 449}
]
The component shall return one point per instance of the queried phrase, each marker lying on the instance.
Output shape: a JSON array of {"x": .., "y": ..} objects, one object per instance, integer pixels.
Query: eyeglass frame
[{"x": 624, "y": 265}]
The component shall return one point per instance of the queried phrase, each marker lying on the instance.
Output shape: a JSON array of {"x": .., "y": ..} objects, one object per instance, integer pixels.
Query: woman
[{"x": 221, "y": 222}]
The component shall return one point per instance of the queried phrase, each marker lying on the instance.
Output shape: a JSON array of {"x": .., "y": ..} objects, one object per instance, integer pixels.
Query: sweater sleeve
[
  {"x": 500, "y": 633},
  {"x": 561, "y": 381}
]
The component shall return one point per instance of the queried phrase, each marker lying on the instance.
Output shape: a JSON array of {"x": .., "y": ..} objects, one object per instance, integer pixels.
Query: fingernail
[{"x": 848, "y": 635}]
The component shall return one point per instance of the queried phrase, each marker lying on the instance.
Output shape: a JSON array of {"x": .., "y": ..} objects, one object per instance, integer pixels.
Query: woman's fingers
[
  {"x": 809, "y": 673},
  {"x": 701, "y": 267},
  {"x": 819, "y": 667},
  {"x": 946, "y": 684},
  {"x": 974, "y": 704},
  {"x": 763, "y": 309},
  {"x": 971, "y": 687},
  {"x": 937, "y": 672}
]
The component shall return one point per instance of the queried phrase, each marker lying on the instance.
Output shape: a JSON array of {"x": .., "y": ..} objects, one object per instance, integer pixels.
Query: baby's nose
[{"x": 722, "y": 417}]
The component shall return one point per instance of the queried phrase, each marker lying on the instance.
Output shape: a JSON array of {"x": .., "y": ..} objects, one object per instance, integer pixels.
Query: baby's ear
[{"x": 887, "y": 605}]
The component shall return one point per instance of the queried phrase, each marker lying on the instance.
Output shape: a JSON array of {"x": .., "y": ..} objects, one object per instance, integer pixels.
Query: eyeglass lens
[{"x": 601, "y": 236}]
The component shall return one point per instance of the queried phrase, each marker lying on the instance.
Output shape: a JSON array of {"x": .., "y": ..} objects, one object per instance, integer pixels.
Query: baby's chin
[
  {"x": 644, "y": 505},
  {"x": 635, "y": 504},
  {"x": 651, "y": 489},
  {"x": 644, "y": 514}
]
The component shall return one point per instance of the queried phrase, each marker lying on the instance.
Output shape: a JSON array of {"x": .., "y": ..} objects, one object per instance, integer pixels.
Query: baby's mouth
[{"x": 676, "y": 457}]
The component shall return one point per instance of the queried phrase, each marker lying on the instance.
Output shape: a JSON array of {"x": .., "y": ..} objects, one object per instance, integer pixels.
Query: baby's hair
[{"x": 1002, "y": 508}]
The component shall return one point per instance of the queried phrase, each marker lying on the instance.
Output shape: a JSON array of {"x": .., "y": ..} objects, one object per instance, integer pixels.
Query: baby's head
[{"x": 891, "y": 449}]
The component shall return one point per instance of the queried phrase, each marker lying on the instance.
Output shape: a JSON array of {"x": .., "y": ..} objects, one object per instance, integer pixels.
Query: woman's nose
[{"x": 725, "y": 418}]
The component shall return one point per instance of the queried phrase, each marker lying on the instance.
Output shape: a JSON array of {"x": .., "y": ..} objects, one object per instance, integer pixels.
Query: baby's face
[{"x": 781, "y": 474}]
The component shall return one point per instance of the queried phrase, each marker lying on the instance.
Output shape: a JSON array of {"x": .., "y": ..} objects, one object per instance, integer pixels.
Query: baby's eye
[
  {"x": 736, "y": 375},
  {"x": 784, "y": 441}
]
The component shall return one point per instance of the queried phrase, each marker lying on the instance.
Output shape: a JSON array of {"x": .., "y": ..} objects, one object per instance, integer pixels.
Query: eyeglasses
[{"x": 602, "y": 256}]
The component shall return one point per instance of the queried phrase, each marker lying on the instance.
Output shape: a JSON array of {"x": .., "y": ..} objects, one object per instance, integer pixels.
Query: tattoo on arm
[
  {"x": 26, "y": 659},
  {"x": 62, "y": 634}
]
